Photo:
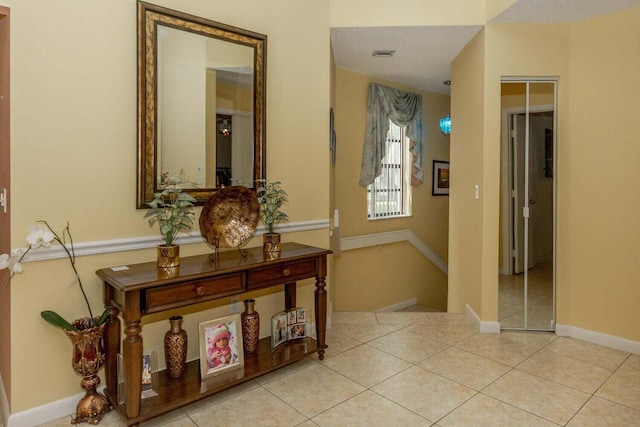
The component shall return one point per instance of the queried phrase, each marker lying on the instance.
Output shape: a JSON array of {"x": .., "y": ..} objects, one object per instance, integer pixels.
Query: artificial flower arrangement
[
  {"x": 271, "y": 197},
  {"x": 173, "y": 211},
  {"x": 42, "y": 235}
]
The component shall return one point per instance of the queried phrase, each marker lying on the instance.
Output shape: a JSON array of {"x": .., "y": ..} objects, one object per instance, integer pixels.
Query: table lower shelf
[{"x": 189, "y": 388}]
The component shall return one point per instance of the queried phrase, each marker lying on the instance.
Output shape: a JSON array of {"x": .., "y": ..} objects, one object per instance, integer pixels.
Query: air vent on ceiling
[{"x": 383, "y": 53}]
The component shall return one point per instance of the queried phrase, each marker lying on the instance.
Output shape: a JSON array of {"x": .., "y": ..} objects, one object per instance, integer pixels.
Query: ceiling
[{"x": 423, "y": 54}]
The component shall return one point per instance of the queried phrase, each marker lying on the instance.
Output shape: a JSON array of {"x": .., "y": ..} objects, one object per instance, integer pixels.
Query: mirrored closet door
[{"x": 527, "y": 239}]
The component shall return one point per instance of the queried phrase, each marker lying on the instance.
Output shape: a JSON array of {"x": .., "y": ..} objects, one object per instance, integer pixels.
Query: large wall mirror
[{"x": 201, "y": 104}]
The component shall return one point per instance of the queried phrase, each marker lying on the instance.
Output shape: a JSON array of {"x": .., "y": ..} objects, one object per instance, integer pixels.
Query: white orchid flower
[
  {"x": 4, "y": 261},
  {"x": 40, "y": 237},
  {"x": 12, "y": 262}
]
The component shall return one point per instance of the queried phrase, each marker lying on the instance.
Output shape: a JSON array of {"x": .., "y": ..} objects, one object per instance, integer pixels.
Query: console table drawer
[
  {"x": 283, "y": 273},
  {"x": 158, "y": 299}
]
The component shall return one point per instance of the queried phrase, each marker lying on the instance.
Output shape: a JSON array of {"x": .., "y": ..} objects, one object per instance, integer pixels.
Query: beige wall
[
  {"x": 598, "y": 247},
  {"x": 356, "y": 272},
  {"x": 596, "y": 63},
  {"x": 73, "y": 129},
  {"x": 465, "y": 213}
]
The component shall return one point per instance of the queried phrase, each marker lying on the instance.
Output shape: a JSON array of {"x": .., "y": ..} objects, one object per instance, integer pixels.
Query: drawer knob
[
  {"x": 200, "y": 290},
  {"x": 286, "y": 271}
]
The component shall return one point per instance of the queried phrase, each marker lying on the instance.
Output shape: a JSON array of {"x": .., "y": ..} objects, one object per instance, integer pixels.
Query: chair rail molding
[
  {"x": 147, "y": 242},
  {"x": 406, "y": 235}
]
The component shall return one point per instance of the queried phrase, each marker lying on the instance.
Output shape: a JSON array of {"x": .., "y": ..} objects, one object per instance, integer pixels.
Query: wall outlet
[{"x": 235, "y": 305}]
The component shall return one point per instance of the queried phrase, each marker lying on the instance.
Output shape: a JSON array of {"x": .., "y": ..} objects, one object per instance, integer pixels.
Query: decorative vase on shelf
[
  {"x": 168, "y": 256},
  {"x": 250, "y": 320},
  {"x": 175, "y": 347},
  {"x": 88, "y": 358}
]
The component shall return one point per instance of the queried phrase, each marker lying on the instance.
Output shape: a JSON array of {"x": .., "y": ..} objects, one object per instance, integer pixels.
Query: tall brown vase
[
  {"x": 175, "y": 347},
  {"x": 250, "y": 326},
  {"x": 88, "y": 357}
]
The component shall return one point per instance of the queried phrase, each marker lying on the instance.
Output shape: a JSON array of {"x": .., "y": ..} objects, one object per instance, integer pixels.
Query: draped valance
[{"x": 403, "y": 109}]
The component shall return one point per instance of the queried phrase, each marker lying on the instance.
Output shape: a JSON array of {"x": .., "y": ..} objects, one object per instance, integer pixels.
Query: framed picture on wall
[{"x": 440, "y": 178}]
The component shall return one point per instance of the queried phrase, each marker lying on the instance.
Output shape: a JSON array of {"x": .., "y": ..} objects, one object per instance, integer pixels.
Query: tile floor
[
  {"x": 539, "y": 299},
  {"x": 430, "y": 369}
]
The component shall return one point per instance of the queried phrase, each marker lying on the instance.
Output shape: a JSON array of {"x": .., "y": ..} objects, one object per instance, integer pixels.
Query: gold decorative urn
[{"x": 88, "y": 357}]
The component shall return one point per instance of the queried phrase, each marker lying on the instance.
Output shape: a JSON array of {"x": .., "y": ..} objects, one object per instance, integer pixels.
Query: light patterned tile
[
  {"x": 541, "y": 397},
  {"x": 606, "y": 357},
  {"x": 314, "y": 389},
  {"x": 369, "y": 409},
  {"x": 337, "y": 343},
  {"x": 402, "y": 318},
  {"x": 360, "y": 318},
  {"x": 173, "y": 419},
  {"x": 624, "y": 385},
  {"x": 408, "y": 346},
  {"x": 110, "y": 419},
  {"x": 366, "y": 365},
  {"x": 287, "y": 370},
  {"x": 485, "y": 411},
  {"x": 308, "y": 423},
  {"x": 449, "y": 319},
  {"x": 446, "y": 333},
  {"x": 509, "y": 348},
  {"x": 465, "y": 368},
  {"x": 255, "y": 407},
  {"x": 599, "y": 412},
  {"x": 574, "y": 373},
  {"x": 364, "y": 332},
  {"x": 220, "y": 397},
  {"x": 428, "y": 395}
]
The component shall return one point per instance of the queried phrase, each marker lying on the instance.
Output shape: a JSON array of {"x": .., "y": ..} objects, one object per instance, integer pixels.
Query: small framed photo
[
  {"x": 149, "y": 376},
  {"x": 301, "y": 315},
  {"x": 220, "y": 346},
  {"x": 440, "y": 178},
  {"x": 299, "y": 330},
  {"x": 278, "y": 329},
  {"x": 292, "y": 317}
]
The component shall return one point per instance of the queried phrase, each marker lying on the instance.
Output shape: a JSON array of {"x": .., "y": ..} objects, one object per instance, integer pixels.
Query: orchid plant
[{"x": 41, "y": 235}]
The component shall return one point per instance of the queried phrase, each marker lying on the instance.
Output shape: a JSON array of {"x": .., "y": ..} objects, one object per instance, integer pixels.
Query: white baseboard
[
  {"x": 598, "y": 338},
  {"x": 399, "y": 306},
  {"x": 483, "y": 325},
  {"x": 47, "y": 412}
]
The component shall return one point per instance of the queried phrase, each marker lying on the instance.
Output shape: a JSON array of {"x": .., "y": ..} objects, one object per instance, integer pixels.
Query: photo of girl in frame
[{"x": 220, "y": 346}]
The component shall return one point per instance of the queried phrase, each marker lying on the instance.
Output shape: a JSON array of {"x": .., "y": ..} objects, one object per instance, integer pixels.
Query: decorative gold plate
[{"x": 229, "y": 217}]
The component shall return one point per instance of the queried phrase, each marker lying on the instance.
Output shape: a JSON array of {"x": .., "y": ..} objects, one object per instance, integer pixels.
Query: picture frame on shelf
[
  {"x": 288, "y": 325},
  {"x": 278, "y": 329},
  {"x": 440, "y": 178},
  {"x": 220, "y": 343},
  {"x": 149, "y": 376}
]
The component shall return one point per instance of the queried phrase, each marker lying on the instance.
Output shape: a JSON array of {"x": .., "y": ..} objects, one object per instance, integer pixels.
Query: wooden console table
[{"x": 140, "y": 289}]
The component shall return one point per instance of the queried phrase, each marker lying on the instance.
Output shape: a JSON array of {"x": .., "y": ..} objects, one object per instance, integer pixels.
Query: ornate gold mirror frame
[{"x": 154, "y": 22}]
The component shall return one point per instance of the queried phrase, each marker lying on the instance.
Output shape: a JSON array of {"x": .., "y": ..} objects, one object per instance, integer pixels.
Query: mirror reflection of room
[
  {"x": 526, "y": 284},
  {"x": 203, "y": 84}
]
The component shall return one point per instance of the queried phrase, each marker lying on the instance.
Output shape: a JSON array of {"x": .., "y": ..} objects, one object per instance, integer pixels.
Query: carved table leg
[
  {"x": 321, "y": 315},
  {"x": 132, "y": 354},
  {"x": 112, "y": 348}
]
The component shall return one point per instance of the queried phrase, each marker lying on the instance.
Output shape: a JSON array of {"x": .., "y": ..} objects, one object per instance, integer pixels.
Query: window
[{"x": 389, "y": 196}]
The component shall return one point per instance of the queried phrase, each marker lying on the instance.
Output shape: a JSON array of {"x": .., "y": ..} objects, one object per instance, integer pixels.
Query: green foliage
[
  {"x": 173, "y": 211},
  {"x": 271, "y": 197}
]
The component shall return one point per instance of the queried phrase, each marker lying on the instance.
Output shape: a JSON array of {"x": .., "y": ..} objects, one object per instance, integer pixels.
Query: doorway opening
[{"x": 527, "y": 271}]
